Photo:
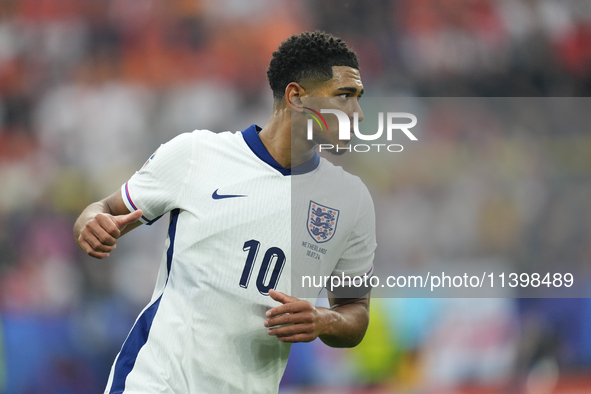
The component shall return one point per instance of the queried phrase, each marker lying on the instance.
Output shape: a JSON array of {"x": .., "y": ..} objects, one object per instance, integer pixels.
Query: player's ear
[{"x": 293, "y": 95}]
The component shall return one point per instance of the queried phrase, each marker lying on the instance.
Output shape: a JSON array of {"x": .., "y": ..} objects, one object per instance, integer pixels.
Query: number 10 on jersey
[{"x": 273, "y": 256}]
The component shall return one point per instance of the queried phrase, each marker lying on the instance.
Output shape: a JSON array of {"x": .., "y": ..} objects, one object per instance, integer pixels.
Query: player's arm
[
  {"x": 157, "y": 185},
  {"x": 348, "y": 325},
  {"x": 343, "y": 325},
  {"x": 97, "y": 228}
]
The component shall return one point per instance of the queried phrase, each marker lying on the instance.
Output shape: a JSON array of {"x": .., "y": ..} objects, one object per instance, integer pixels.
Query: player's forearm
[{"x": 345, "y": 325}]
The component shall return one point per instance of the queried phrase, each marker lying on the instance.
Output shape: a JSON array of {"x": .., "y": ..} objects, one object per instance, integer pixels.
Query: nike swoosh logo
[{"x": 217, "y": 196}]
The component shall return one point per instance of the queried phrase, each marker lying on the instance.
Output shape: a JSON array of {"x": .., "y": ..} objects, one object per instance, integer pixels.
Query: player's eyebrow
[{"x": 351, "y": 90}]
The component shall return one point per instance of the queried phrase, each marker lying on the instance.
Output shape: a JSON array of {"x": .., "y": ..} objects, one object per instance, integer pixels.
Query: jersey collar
[{"x": 251, "y": 136}]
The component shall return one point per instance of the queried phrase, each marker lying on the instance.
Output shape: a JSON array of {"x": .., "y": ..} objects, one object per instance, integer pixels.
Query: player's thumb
[{"x": 123, "y": 220}]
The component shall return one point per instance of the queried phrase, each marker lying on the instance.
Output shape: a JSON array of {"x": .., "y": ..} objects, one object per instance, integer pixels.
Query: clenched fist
[{"x": 99, "y": 235}]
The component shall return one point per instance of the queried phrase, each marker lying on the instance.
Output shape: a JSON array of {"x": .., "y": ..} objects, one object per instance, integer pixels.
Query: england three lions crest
[{"x": 322, "y": 222}]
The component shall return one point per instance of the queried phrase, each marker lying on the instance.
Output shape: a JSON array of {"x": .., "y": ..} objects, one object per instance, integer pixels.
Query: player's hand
[
  {"x": 99, "y": 236},
  {"x": 306, "y": 322}
]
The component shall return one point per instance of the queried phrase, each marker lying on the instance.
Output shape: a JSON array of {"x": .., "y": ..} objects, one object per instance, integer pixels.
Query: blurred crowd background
[{"x": 89, "y": 89}]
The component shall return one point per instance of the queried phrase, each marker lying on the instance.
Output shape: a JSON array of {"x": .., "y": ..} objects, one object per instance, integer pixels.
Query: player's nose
[{"x": 357, "y": 110}]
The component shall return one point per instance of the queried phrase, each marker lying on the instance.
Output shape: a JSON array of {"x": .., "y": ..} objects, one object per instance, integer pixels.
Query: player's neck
[{"x": 277, "y": 138}]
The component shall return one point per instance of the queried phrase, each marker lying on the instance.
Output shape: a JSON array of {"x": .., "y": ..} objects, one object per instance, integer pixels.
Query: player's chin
[
  {"x": 342, "y": 148},
  {"x": 338, "y": 153}
]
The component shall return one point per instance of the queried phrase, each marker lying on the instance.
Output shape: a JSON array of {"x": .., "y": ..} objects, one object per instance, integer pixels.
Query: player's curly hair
[{"x": 307, "y": 56}]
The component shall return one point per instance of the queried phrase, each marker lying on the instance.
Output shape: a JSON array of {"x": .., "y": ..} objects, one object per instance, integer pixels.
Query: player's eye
[{"x": 344, "y": 95}]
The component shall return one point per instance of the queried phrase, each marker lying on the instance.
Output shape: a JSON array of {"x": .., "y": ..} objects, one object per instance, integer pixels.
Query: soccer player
[{"x": 247, "y": 210}]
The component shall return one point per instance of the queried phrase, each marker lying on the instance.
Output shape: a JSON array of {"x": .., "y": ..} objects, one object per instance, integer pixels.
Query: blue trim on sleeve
[{"x": 251, "y": 136}]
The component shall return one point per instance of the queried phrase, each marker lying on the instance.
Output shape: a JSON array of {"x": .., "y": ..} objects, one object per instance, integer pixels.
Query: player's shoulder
[
  {"x": 345, "y": 187},
  {"x": 204, "y": 137},
  {"x": 339, "y": 176},
  {"x": 208, "y": 134},
  {"x": 194, "y": 142},
  {"x": 201, "y": 140}
]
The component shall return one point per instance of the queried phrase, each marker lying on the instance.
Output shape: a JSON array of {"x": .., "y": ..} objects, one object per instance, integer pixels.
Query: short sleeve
[
  {"x": 357, "y": 258},
  {"x": 156, "y": 187}
]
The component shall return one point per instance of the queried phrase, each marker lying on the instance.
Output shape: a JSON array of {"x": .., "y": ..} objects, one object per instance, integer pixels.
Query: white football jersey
[{"x": 240, "y": 224}]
